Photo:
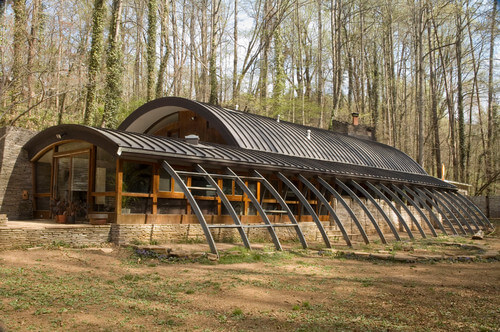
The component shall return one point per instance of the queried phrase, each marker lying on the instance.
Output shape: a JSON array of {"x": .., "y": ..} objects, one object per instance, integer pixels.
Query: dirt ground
[{"x": 114, "y": 289}]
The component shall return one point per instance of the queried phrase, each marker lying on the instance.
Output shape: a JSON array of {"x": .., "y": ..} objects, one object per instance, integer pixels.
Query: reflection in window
[
  {"x": 177, "y": 187},
  {"x": 137, "y": 178},
  {"x": 171, "y": 206},
  {"x": 43, "y": 169},
  {"x": 72, "y": 146},
  {"x": 237, "y": 206},
  {"x": 138, "y": 205},
  {"x": 105, "y": 171},
  {"x": 165, "y": 181},
  {"x": 201, "y": 182},
  {"x": 208, "y": 208},
  {"x": 104, "y": 204}
]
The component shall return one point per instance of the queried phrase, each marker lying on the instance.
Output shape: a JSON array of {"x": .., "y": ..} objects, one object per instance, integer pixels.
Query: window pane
[
  {"x": 201, "y": 182},
  {"x": 104, "y": 204},
  {"x": 237, "y": 190},
  {"x": 252, "y": 185},
  {"x": 208, "y": 207},
  {"x": 227, "y": 186},
  {"x": 105, "y": 171},
  {"x": 177, "y": 188},
  {"x": 62, "y": 179},
  {"x": 43, "y": 169},
  {"x": 237, "y": 206},
  {"x": 137, "y": 178},
  {"x": 165, "y": 181},
  {"x": 171, "y": 206},
  {"x": 139, "y": 205},
  {"x": 43, "y": 203}
]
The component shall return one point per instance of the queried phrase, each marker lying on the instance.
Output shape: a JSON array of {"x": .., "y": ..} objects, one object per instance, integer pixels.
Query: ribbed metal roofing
[
  {"x": 254, "y": 132},
  {"x": 138, "y": 145}
]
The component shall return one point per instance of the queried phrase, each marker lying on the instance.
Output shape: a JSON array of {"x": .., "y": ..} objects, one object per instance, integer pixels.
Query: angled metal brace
[
  {"x": 346, "y": 207},
  {"x": 194, "y": 206},
  {"x": 458, "y": 204},
  {"x": 378, "y": 207},
  {"x": 454, "y": 208},
  {"x": 467, "y": 204},
  {"x": 363, "y": 206},
  {"x": 436, "y": 206},
  {"x": 447, "y": 209},
  {"x": 427, "y": 207},
  {"x": 403, "y": 205},
  {"x": 226, "y": 203},
  {"x": 393, "y": 208},
  {"x": 327, "y": 205},
  {"x": 284, "y": 206},
  {"x": 473, "y": 206},
  {"x": 308, "y": 206},
  {"x": 258, "y": 207},
  {"x": 412, "y": 202}
]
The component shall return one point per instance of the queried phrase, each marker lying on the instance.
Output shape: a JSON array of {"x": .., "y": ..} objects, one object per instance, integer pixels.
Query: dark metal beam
[
  {"x": 447, "y": 209},
  {"x": 334, "y": 192},
  {"x": 327, "y": 205},
  {"x": 464, "y": 207},
  {"x": 427, "y": 207},
  {"x": 194, "y": 206},
  {"x": 473, "y": 206},
  {"x": 454, "y": 208},
  {"x": 393, "y": 208},
  {"x": 363, "y": 206},
  {"x": 285, "y": 207},
  {"x": 308, "y": 207},
  {"x": 436, "y": 206},
  {"x": 403, "y": 205},
  {"x": 258, "y": 207},
  {"x": 378, "y": 207},
  {"x": 412, "y": 202},
  {"x": 226, "y": 203}
]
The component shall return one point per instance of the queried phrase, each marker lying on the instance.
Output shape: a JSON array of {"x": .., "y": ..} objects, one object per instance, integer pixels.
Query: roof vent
[
  {"x": 192, "y": 139},
  {"x": 308, "y": 133},
  {"x": 278, "y": 118}
]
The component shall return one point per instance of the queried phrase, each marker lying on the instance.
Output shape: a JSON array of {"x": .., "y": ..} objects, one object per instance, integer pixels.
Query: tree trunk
[
  {"x": 94, "y": 61},
  {"x": 151, "y": 47},
  {"x": 162, "y": 72},
  {"x": 460, "y": 99},
  {"x": 235, "y": 54},
  {"x": 214, "y": 17}
]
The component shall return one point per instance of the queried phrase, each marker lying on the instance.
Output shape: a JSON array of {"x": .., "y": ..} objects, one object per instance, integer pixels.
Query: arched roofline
[
  {"x": 68, "y": 132},
  {"x": 151, "y": 113}
]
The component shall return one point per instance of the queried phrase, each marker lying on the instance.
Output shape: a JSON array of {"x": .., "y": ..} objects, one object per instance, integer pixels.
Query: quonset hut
[{"x": 180, "y": 162}]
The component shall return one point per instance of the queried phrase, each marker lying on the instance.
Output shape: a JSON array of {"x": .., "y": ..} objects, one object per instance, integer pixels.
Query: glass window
[
  {"x": 252, "y": 185},
  {"x": 43, "y": 203},
  {"x": 251, "y": 211},
  {"x": 105, "y": 171},
  {"x": 208, "y": 207},
  {"x": 62, "y": 179},
  {"x": 227, "y": 186},
  {"x": 137, "y": 178},
  {"x": 165, "y": 181},
  {"x": 237, "y": 190},
  {"x": 171, "y": 206},
  {"x": 201, "y": 182},
  {"x": 43, "y": 168},
  {"x": 139, "y": 205},
  {"x": 237, "y": 206},
  {"x": 104, "y": 204},
  {"x": 177, "y": 188}
]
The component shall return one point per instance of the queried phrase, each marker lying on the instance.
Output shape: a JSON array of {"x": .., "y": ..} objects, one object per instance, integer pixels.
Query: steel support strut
[
  {"x": 258, "y": 207},
  {"x": 473, "y": 206},
  {"x": 412, "y": 202},
  {"x": 378, "y": 207},
  {"x": 285, "y": 207},
  {"x": 453, "y": 208},
  {"x": 194, "y": 206},
  {"x": 308, "y": 206},
  {"x": 436, "y": 206},
  {"x": 363, "y": 207},
  {"x": 334, "y": 192},
  {"x": 403, "y": 205},
  {"x": 446, "y": 208},
  {"x": 226, "y": 203},
  {"x": 327, "y": 205},
  {"x": 459, "y": 205},
  {"x": 427, "y": 207}
]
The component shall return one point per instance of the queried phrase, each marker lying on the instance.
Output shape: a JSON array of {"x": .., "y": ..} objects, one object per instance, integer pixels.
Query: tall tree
[
  {"x": 214, "y": 18},
  {"x": 94, "y": 61},
  {"x": 460, "y": 96},
  {"x": 114, "y": 64},
  {"x": 151, "y": 47},
  {"x": 162, "y": 71},
  {"x": 19, "y": 49}
]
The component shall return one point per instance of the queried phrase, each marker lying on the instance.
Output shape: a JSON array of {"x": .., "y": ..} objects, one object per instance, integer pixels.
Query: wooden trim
[
  {"x": 107, "y": 193},
  {"x": 119, "y": 182},
  {"x": 72, "y": 152}
]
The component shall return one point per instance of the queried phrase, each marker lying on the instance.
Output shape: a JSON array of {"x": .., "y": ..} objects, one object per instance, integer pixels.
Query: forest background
[{"x": 425, "y": 74}]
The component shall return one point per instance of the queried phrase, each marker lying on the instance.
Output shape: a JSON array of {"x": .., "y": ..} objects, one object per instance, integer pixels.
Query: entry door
[{"x": 72, "y": 181}]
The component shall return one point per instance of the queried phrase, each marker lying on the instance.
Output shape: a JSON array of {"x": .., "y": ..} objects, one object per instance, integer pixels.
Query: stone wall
[{"x": 15, "y": 174}]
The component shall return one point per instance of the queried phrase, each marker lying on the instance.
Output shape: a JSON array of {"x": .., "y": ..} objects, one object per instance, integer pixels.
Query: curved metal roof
[
  {"x": 254, "y": 132},
  {"x": 136, "y": 145}
]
